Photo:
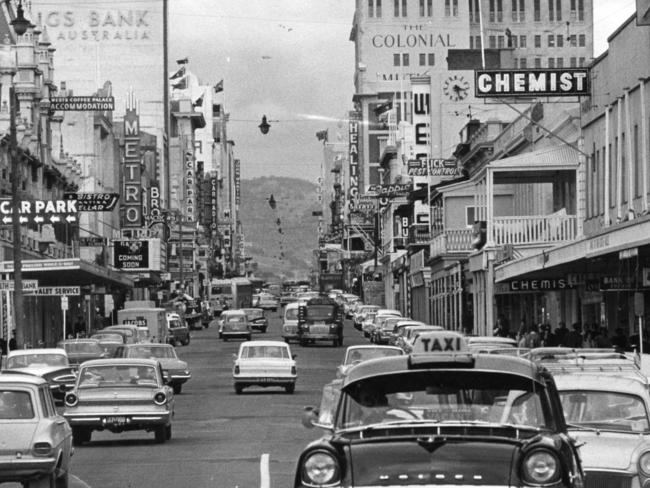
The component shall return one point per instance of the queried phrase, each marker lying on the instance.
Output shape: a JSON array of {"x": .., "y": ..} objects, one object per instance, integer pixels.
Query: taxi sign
[{"x": 439, "y": 341}]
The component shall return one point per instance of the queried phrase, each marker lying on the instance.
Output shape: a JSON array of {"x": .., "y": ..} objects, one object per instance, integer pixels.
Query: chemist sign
[
  {"x": 40, "y": 211},
  {"x": 532, "y": 83}
]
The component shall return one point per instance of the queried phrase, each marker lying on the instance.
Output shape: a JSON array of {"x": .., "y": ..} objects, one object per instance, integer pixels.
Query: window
[
  {"x": 551, "y": 10},
  {"x": 559, "y": 63},
  {"x": 638, "y": 179},
  {"x": 405, "y": 59},
  {"x": 470, "y": 216},
  {"x": 516, "y": 61},
  {"x": 477, "y": 42},
  {"x": 432, "y": 59},
  {"x": 538, "y": 62},
  {"x": 581, "y": 10},
  {"x": 397, "y": 59},
  {"x": 612, "y": 174},
  {"x": 518, "y": 12},
  {"x": 523, "y": 63},
  {"x": 522, "y": 41},
  {"x": 582, "y": 40},
  {"x": 451, "y": 8},
  {"x": 423, "y": 57},
  {"x": 474, "y": 11},
  {"x": 426, "y": 8},
  {"x": 538, "y": 40},
  {"x": 558, "y": 10},
  {"x": 581, "y": 62},
  {"x": 624, "y": 170},
  {"x": 501, "y": 42},
  {"x": 537, "y": 11},
  {"x": 492, "y": 11},
  {"x": 493, "y": 42},
  {"x": 573, "y": 62},
  {"x": 397, "y": 4},
  {"x": 573, "y": 41},
  {"x": 559, "y": 41},
  {"x": 512, "y": 41},
  {"x": 374, "y": 8},
  {"x": 551, "y": 62}
]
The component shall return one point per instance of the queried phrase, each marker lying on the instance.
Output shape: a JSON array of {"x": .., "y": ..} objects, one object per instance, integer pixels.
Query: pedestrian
[
  {"x": 574, "y": 338},
  {"x": 502, "y": 328},
  {"x": 3, "y": 346},
  {"x": 560, "y": 333},
  {"x": 619, "y": 341},
  {"x": 532, "y": 338},
  {"x": 603, "y": 341},
  {"x": 79, "y": 326},
  {"x": 546, "y": 336},
  {"x": 13, "y": 345}
]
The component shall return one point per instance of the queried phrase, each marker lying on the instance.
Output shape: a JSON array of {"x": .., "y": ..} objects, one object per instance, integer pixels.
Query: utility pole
[{"x": 18, "y": 311}]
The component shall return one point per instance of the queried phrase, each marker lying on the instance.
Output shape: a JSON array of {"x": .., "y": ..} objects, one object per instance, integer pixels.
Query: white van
[{"x": 290, "y": 322}]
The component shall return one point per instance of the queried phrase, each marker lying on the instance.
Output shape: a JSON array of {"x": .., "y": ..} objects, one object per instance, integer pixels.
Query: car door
[{"x": 60, "y": 431}]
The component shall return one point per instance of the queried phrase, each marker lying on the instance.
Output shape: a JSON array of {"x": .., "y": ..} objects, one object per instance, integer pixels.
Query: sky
[{"x": 292, "y": 61}]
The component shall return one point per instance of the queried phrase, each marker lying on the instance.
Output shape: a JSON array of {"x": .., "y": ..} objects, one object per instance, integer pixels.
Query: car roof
[
  {"x": 8, "y": 377},
  {"x": 148, "y": 344},
  {"x": 585, "y": 381},
  {"x": 78, "y": 341},
  {"x": 116, "y": 361},
  {"x": 482, "y": 362},
  {"x": 490, "y": 340},
  {"x": 237, "y": 311},
  {"x": 263, "y": 343},
  {"x": 292, "y": 305},
  {"x": 371, "y": 346},
  {"x": 39, "y": 350},
  {"x": 253, "y": 309}
]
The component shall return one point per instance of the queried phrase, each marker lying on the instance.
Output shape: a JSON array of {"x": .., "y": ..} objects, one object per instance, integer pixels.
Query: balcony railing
[
  {"x": 534, "y": 229},
  {"x": 419, "y": 234},
  {"x": 452, "y": 240}
]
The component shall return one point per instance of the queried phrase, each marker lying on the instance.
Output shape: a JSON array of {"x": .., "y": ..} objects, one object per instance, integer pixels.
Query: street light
[
  {"x": 264, "y": 126},
  {"x": 20, "y": 23}
]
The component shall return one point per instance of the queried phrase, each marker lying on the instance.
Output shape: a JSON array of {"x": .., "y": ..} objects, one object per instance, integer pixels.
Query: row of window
[
  {"x": 424, "y": 59},
  {"x": 574, "y": 62},
  {"x": 521, "y": 41},
  {"x": 400, "y": 8}
]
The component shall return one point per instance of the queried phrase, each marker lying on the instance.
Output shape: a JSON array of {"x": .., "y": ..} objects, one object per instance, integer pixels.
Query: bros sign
[{"x": 40, "y": 211}]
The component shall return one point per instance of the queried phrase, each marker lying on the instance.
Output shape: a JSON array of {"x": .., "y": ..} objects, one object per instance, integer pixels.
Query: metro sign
[{"x": 40, "y": 211}]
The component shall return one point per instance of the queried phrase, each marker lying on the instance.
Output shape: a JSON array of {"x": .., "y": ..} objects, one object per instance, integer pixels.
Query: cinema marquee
[{"x": 532, "y": 83}]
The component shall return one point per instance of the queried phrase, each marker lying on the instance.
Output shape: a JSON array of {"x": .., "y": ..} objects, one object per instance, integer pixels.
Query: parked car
[
  {"x": 395, "y": 337},
  {"x": 290, "y": 322},
  {"x": 359, "y": 315},
  {"x": 49, "y": 363},
  {"x": 356, "y": 354},
  {"x": 368, "y": 326},
  {"x": 443, "y": 418},
  {"x": 265, "y": 301},
  {"x": 120, "y": 395},
  {"x": 80, "y": 350},
  {"x": 178, "y": 333},
  {"x": 233, "y": 324},
  {"x": 36, "y": 441},
  {"x": 177, "y": 370},
  {"x": 257, "y": 319},
  {"x": 264, "y": 363}
]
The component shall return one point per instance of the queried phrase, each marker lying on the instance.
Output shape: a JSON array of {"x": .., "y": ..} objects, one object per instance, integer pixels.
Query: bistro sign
[{"x": 531, "y": 83}]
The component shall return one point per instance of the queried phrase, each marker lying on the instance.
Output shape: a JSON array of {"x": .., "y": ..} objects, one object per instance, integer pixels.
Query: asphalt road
[{"x": 220, "y": 439}]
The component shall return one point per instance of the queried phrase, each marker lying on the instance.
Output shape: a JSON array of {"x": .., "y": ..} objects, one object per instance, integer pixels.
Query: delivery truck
[{"x": 144, "y": 313}]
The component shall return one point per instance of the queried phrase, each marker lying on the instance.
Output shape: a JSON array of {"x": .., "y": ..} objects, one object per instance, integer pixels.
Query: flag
[
  {"x": 179, "y": 73},
  {"x": 321, "y": 135},
  {"x": 180, "y": 84},
  {"x": 218, "y": 87},
  {"x": 199, "y": 101},
  {"x": 182, "y": 61},
  {"x": 383, "y": 108}
]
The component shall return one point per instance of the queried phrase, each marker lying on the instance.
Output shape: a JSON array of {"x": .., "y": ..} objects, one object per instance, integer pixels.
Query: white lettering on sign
[
  {"x": 55, "y": 291},
  {"x": 40, "y": 207},
  {"x": 558, "y": 82},
  {"x": 439, "y": 341}
]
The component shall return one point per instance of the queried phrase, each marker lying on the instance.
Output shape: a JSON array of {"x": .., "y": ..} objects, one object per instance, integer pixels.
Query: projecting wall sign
[
  {"x": 532, "y": 83},
  {"x": 40, "y": 211}
]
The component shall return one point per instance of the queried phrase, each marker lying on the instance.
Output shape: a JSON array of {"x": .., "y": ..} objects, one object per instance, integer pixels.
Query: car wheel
[
  {"x": 239, "y": 389},
  {"x": 263, "y": 330},
  {"x": 47, "y": 481},
  {"x": 290, "y": 388},
  {"x": 168, "y": 431},
  {"x": 186, "y": 341},
  {"x": 62, "y": 481},
  {"x": 303, "y": 342},
  {"x": 161, "y": 434},
  {"x": 249, "y": 337},
  {"x": 177, "y": 389},
  {"x": 225, "y": 339},
  {"x": 80, "y": 435}
]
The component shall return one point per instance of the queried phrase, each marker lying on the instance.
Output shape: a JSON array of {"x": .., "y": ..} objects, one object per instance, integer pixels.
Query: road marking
[{"x": 265, "y": 476}]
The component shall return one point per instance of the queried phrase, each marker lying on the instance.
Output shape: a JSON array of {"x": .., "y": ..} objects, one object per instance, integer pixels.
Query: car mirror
[
  {"x": 309, "y": 417},
  {"x": 294, "y": 356},
  {"x": 234, "y": 356}
]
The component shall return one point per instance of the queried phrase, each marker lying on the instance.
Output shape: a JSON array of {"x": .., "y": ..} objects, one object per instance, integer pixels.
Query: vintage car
[
  {"x": 177, "y": 370},
  {"x": 80, "y": 350},
  {"x": 50, "y": 363},
  {"x": 265, "y": 301},
  {"x": 447, "y": 418},
  {"x": 374, "y": 319},
  {"x": 290, "y": 322},
  {"x": 35, "y": 440},
  {"x": 607, "y": 408},
  {"x": 257, "y": 319},
  {"x": 111, "y": 336},
  {"x": 119, "y": 395},
  {"x": 320, "y": 319},
  {"x": 395, "y": 339},
  {"x": 233, "y": 324},
  {"x": 411, "y": 332},
  {"x": 360, "y": 313},
  {"x": 355, "y": 354},
  {"x": 264, "y": 363},
  {"x": 486, "y": 343},
  {"x": 177, "y": 331}
]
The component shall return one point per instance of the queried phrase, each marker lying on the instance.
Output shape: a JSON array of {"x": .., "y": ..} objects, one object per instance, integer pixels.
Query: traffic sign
[
  {"x": 94, "y": 202},
  {"x": 39, "y": 211},
  {"x": 64, "y": 302},
  {"x": 9, "y": 285},
  {"x": 53, "y": 291}
]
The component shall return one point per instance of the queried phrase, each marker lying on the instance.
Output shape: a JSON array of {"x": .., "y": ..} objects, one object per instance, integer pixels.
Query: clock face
[{"x": 456, "y": 88}]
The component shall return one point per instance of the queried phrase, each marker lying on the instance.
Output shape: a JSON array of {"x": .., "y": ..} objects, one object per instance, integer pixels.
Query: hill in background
[{"x": 282, "y": 240}]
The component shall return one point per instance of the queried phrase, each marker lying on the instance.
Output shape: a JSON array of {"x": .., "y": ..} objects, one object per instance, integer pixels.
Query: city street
[{"x": 219, "y": 438}]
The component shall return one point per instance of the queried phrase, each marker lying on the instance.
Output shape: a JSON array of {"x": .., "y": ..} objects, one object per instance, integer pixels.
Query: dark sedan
[
  {"x": 257, "y": 319},
  {"x": 80, "y": 350}
]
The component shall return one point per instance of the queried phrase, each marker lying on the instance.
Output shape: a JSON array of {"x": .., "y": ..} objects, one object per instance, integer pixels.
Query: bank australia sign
[
  {"x": 129, "y": 255},
  {"x": 532, "y": 83},
  {"x": 132, "y": 201}
]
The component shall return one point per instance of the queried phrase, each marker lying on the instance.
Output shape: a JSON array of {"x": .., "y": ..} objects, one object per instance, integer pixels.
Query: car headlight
[
  {"x": 644, "y": 463},
  {"x": 320, "y": 468},
  {"x": 160, "y": 398},
  {"x": 540, "y": 466},
  {"x": 71, "y": 400}
]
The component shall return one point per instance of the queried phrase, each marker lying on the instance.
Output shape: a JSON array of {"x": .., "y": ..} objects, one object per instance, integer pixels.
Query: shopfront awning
[
  {"x": 72, "y": 271},
  {"x": 617, "y": 238}
]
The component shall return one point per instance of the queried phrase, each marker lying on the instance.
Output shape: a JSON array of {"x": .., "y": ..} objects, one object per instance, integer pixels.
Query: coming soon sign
[{"x": 532, "y": 83}]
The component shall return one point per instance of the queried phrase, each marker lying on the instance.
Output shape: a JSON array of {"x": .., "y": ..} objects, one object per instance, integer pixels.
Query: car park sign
[{"x": 40, "y": 211}]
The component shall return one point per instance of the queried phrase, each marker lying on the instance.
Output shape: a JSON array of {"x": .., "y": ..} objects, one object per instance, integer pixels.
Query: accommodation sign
[
  {"x": 532, "y": 83},
  {"x": 81, "y": 104}
]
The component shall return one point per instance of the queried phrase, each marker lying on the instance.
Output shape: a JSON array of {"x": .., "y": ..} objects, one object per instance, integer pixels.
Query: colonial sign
[
  {"x": 532, "y": 82},
  {"x": 132, "y": 168},
  {"x": 40, "y": 211},
  {"x": 10, "y": 285},
  {"x": 94, "y": 202},
  {"x": 353, "y": 157},
  {"x": 131, "y": 254},
  {"x": 82, "y": 103},
  {"x": 390, "y": 190}
]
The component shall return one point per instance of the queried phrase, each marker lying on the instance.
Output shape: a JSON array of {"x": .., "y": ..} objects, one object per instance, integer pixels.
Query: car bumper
[
  {"x": 264, "y": 380},
  {"x": 259, "y": 326},
  {"x": 13, "y": 469},
  {"x": 180, "y": 378},
  {"x": 120, "y": 420},
  {"x": 238, "y": 335}
]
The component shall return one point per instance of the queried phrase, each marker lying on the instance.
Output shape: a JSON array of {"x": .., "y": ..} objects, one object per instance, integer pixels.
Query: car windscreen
[
  {"x": 365, "y": 353},
  {"x": 291, "y": 314},
  {"x": 26, "y": 360},
  {"x": 320, "y": 312},
  {"x": 445, "y": 396},
  {"x": 109, "y": 337},
  {"x": 264, "y": 352},
  {"x": 235, "y": 323},
  {"x": 151, "y": 352},
  {"x": 255, "y": 314},
  {"x": 605, "y": 410},
  {"x": 82, "y": 348},
  {"x": 111, "y": 376},
  {"x": 15, "y": 404}
]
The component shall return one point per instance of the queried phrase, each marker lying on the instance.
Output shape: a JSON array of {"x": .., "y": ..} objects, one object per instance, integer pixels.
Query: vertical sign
[
  {"x": 237, "y": 182},
  {"x": 214, "y": 216},
  {"x": 422, "y": 126},
  {"x": 353, "y": 157},
  {"x": 155, "y": 215},
  {"x": 132, "y": 167},
  {"x": 190, "y": 190}
]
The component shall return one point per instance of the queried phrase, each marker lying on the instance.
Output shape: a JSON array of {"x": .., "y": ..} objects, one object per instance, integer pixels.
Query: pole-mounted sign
[
  {"x": 40, "y": 211},
  {"x": 566, "y": 82},
  {"x": 94, "y": 202}
]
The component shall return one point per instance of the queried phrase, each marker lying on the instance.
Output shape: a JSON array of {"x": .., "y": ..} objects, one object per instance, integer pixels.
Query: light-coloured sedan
[
  {"x": 356, "y": 354},
  {"x": 264, "y": 363},
  {"x": 177, "y": 369},
  {"x": 120, "y": 395},
  {"x": 35, "y": 440}
]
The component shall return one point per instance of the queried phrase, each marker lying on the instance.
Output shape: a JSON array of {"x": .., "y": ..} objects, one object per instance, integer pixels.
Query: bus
[{"x": 229, "y": 293}]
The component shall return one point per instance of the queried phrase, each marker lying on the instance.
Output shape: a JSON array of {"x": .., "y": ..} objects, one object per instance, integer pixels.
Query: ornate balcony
[
  {"x": 534, "y": 229},
  {"x": 452, "y": 241},
  {"x": 419, "y": 235}
]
